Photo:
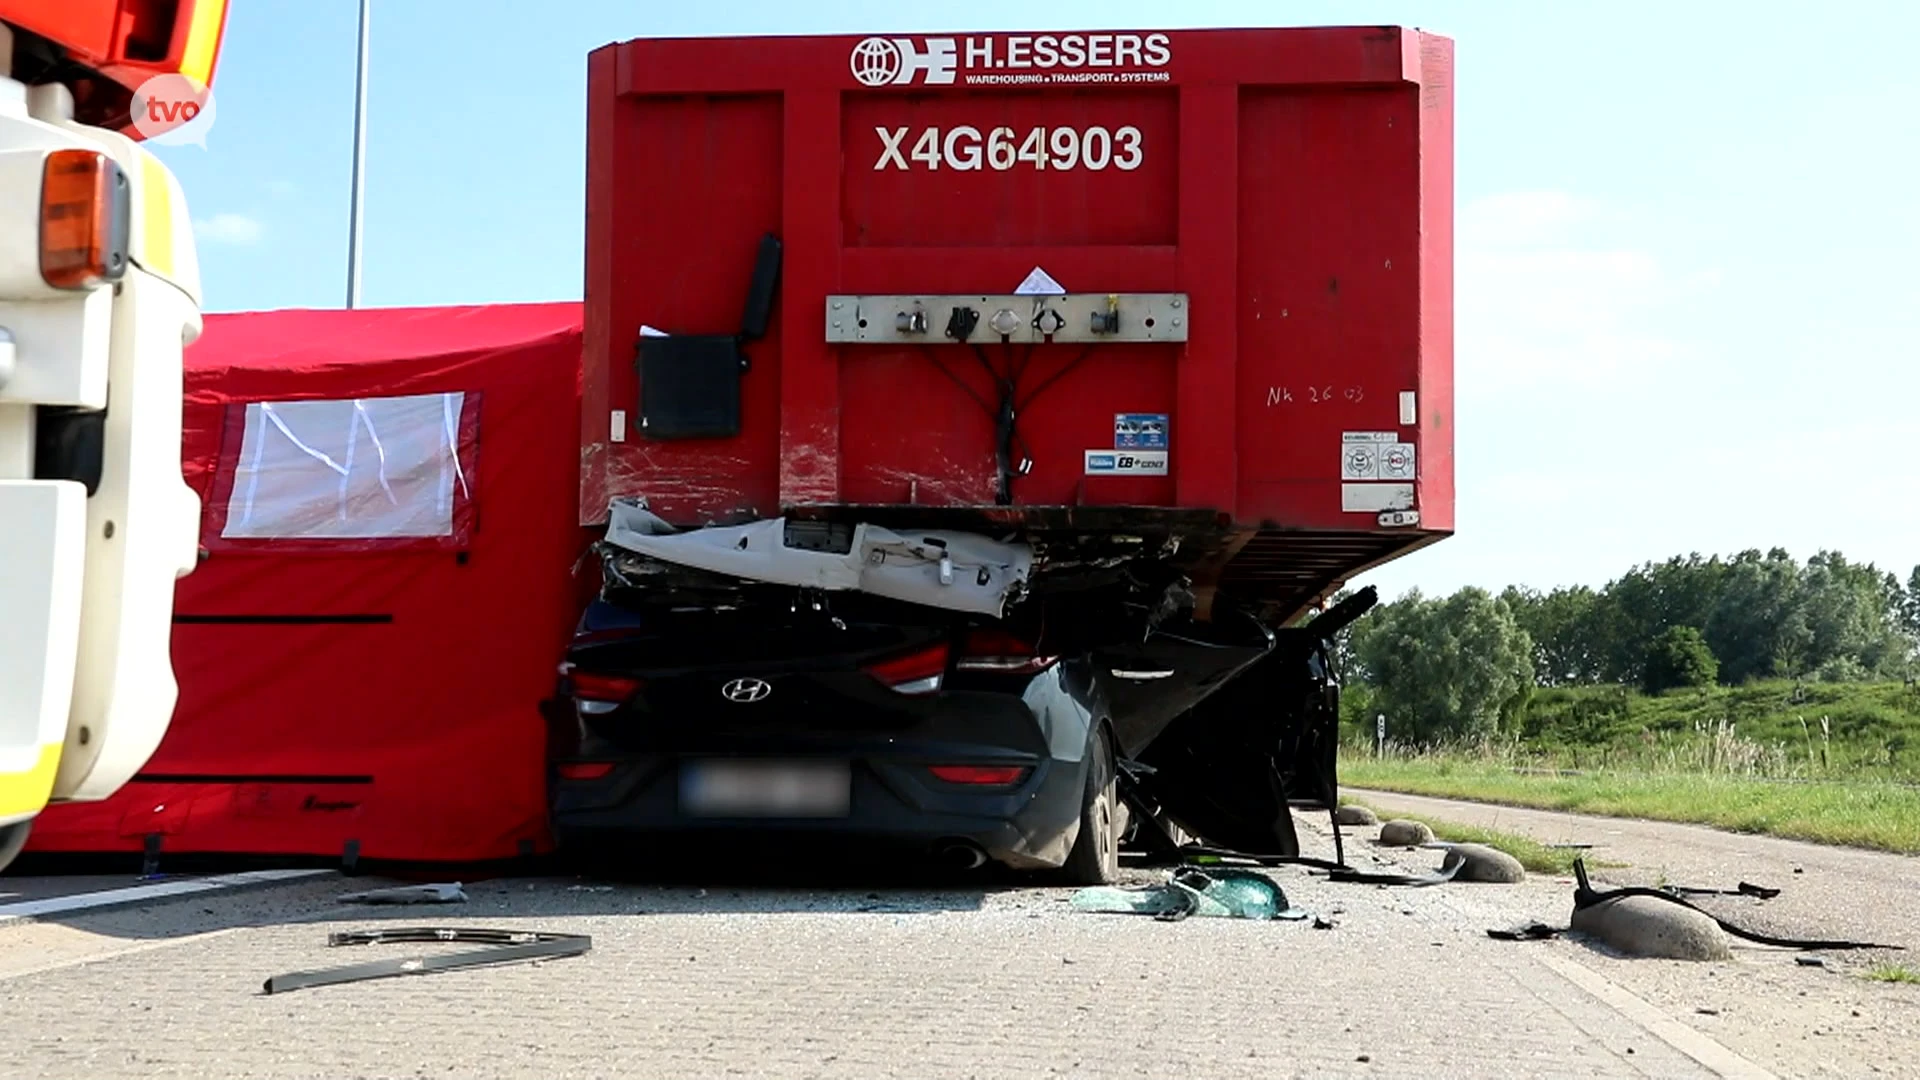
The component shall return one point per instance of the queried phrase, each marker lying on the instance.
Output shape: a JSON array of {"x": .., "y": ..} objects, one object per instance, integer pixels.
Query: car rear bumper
[{"x": 892, "y": 799}]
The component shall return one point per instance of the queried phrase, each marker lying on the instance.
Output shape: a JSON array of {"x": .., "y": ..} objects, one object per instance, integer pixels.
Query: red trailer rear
[
  {"x": 1135, "y": 345},
  {"x": 1273, "y": 209}
]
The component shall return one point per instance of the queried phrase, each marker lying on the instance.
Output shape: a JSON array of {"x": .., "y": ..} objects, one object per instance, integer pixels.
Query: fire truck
[{"x": 99, "y": 297}]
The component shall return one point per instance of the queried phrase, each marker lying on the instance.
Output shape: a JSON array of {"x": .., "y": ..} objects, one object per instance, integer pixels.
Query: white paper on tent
[{"x": 359, "y": 469}]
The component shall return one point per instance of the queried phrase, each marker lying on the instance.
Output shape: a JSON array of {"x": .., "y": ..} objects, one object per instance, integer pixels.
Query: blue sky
[{"x": 1688, "y": 280}]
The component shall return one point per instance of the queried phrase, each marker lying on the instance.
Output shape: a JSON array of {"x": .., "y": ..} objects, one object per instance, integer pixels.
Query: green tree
[
  {"x": 1645, "y": 601},
  {"x": 1910, "y": 607},
  {"x": 1753, "y": 630},
  {"x": 1852, "y": 614},
  {"x": 1678, "y": 658},
  {"x": 1563, "y": 625},
  {"x": 1446, "y": 668}
]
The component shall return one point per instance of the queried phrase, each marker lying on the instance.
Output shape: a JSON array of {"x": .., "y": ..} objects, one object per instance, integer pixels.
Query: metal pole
[{"x": 359, "y": 163}]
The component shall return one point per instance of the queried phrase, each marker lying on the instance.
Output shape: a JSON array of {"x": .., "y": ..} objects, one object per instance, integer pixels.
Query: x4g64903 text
[{"x": 966, "y": 148}]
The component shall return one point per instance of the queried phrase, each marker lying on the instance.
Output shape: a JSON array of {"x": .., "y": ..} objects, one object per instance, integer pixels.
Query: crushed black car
[{"x": 1034, "y": 729}]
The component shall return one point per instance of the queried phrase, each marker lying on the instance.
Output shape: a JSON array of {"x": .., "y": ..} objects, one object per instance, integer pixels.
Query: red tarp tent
[{"x": 389, "y": 539}]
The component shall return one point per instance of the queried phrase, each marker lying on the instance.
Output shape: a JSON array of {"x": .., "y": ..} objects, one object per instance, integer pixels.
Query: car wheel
[
  {"x": 1095, "y": 858},
  {"x": 13, "y": 840}
]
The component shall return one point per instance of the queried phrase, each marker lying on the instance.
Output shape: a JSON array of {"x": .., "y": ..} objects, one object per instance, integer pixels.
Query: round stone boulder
[
  {"x": 1477, "y": 862},
  {"x": 1356, "y": 815},
  {"x": 1400, "y": 833},
  {"x": 1643, "y": 926}
]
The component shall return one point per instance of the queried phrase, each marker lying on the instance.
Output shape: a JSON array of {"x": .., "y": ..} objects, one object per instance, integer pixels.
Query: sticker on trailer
[
  {"x": 1375, "y": 498},
  {"x": 1040, "y": 283},
  {"x": 1376, "y": 455},
  {"x": 1140, "y": 431},
  {"x": 1126, "y": 463},
  {"x": 1397, "y": 462}
]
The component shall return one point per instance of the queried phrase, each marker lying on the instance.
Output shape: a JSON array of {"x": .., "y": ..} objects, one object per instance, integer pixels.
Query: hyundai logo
[{"x": 746, "y": 691}]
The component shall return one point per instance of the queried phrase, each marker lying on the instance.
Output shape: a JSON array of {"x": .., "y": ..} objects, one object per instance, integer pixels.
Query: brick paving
[{"x": 772, "y": 982}]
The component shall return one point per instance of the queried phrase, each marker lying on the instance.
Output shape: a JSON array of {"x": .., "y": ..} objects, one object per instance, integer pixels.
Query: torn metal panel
[
  {"x": 507, "y": 946},
  {"x": 1231, "y": 768},
  {"x": 954, "y": 570}
]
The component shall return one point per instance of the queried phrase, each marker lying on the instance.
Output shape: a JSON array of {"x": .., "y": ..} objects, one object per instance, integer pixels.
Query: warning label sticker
[
  {"x": 1140, "y": 431},
  {"x": 1376, "y": 455},
  {"x": 1126, "y": 463},
  {"x": 1040, "y": 283}
]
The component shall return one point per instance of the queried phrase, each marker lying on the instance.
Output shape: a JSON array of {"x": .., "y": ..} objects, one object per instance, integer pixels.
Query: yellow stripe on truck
[
  {"x": 156, "y": 249},
  {"x": 24, "y": 794},
  {"x": 203, "y": 41}
]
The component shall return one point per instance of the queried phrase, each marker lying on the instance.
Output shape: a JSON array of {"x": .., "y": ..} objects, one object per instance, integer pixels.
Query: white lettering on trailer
[
  {"x": 966, "y": 148},
  {"x": 1042, "y": 58}
]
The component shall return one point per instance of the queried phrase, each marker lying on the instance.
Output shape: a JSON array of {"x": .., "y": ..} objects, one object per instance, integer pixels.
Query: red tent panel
[{"x": 389, "y": 529}]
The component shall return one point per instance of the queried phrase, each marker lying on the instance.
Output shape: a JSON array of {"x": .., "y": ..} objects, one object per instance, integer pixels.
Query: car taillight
[
  {"x": 85, "y": 215},
  {"x": 1001, "y": 653},
  {"x": 980, "y": 775},
  {"x": 609, "y": 689},
  {"x": 915, "y": 673},
  {"x": 583, "y": 770}
]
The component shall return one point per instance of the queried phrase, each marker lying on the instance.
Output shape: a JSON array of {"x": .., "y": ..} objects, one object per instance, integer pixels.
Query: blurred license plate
[{"x": 766, "y": 788}]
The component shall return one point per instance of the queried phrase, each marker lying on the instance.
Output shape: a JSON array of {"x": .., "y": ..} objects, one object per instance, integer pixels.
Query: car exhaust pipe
[{"x": 961, "y": 854}]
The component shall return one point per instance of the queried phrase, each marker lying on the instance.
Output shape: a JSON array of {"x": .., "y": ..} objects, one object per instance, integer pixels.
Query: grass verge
[
  {"x": 1535, "y": 856},
  {"x": 1869, "y": 814},
  {"x": 1894, "y": 973}
]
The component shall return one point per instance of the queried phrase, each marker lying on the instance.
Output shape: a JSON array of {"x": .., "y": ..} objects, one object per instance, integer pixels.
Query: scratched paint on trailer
[{"x": 1295, "y": 184}]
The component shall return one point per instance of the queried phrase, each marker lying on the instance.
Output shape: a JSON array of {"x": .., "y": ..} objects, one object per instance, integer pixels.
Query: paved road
[
  {"x": 756, "y": 979},
  {"x": 1827, "y": 892}
]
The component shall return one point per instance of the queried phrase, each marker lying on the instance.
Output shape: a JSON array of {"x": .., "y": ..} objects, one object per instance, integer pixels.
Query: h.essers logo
[{"x": 882, "y": 61}]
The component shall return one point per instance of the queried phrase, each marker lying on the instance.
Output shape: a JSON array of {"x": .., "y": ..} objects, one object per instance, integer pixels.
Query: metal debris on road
[
  {"x": 509, "y": 946},
  {"x": 443, "y": 893},
  {"x": 1758, "y": 892},
  {"x": 1530, "y": 932},
  {"x": 1336, "y": 871}
]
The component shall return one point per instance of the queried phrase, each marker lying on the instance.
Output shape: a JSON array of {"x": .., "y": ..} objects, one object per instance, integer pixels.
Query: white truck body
[{"x": 87, "y": 578}]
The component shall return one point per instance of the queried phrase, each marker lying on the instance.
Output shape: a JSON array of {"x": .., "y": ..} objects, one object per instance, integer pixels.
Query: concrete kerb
[
  {"x": 1642, "y": 926},
  {"x": 106, "y": 900},
  {"x": 1478, "y": 862},
  {"x": 1356, "y": 815},
  {"x": 1403, "y": 833}
]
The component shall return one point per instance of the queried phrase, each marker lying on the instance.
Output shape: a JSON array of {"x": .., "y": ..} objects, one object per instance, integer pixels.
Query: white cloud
[
  {"x": 237, "y": 229},
  {"x": 1606, "y": 412},
  {"x": 1545, "y": 296}
]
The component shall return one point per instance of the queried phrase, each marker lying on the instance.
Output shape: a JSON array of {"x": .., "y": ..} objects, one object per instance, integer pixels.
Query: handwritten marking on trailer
[
  {"x": 1314, "y": 395},
  {"x": 966, "y": 148}
]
